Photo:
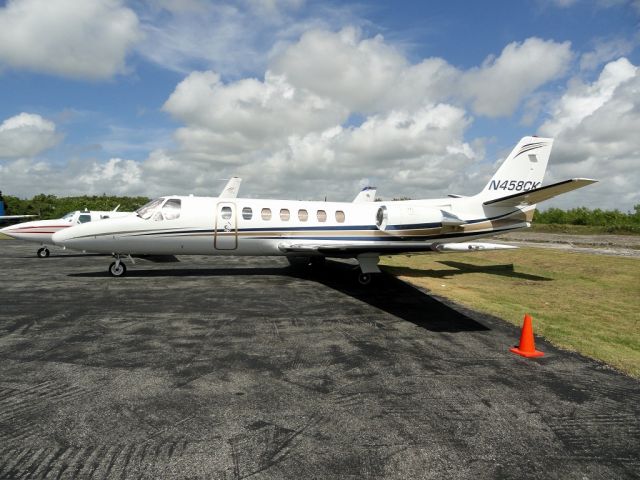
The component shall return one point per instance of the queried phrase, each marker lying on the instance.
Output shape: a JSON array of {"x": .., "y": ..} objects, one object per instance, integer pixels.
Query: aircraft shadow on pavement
[
  {"x": 393, "y": 296},
  {"x": 505, "y": 270},
  {"x": 386, "y": 292}
]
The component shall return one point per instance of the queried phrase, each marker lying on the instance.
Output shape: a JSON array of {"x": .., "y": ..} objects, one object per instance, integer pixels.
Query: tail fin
[
  {"x": 523, "y": 169},
  {"x": 367, "y": 194}
]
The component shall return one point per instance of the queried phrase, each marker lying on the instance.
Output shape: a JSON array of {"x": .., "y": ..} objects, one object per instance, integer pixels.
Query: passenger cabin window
[
  {"x": 247, "y": 213},
  {"x": 284, "y": 214},
  {"x": 171, "y": 209},
  {"x": 322, "y": 216},
  {"x": 84, "y": 218},
  {"x": 226, "y": 213},
  {"x": 266, "y": 214},
  {"x": 339, "y": 216},
  {"x": 303, "y": 215}
]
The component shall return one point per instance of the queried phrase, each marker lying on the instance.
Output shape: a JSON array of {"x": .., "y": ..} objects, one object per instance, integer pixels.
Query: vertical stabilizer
[
  {"x": 523, "y": 169},
  {"x": 231, "y": 189}
]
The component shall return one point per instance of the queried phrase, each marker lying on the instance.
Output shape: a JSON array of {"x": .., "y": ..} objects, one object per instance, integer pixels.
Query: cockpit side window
[
  {"x": 84, "y": 218},
  {"x": 171, "y": 209},
  {"x": 147, "y": 210}
]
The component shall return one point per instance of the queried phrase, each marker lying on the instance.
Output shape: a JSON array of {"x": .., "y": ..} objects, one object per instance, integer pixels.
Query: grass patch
[
  {"x": 580, "y": 302},
  {"x": 584, "y": 229}
]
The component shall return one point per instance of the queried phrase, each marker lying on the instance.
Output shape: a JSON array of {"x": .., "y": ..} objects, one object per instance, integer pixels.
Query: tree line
[
  {"x": 611, "y": 220},
  {"x": 50, "y": 206}
]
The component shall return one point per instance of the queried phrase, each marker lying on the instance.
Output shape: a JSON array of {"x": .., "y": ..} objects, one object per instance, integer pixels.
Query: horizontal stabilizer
[
  {"x": 470, "y": 247},
  {"x": 537, "y": 195}
]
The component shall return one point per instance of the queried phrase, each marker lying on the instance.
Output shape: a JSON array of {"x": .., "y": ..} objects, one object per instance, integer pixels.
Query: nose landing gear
[{"x": 43, "y": 252}]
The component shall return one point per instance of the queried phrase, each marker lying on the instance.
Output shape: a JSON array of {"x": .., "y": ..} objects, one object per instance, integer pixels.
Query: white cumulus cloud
[
  {"x": 497, "y": 87},
  {"x": 78, "y": 39},
  {"x": 26, "y": 135},
  {"x": 596, "y": 127}
]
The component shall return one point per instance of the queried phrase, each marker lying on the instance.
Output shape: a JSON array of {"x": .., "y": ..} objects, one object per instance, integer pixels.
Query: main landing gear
[
  {"x": 368, "y": 266},
  {"x": 117, "y": 268},
  {"x": 43, "y": 252}
]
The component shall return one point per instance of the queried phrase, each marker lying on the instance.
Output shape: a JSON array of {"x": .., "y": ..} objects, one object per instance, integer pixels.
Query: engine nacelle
[{"x": 399, "y": 217}]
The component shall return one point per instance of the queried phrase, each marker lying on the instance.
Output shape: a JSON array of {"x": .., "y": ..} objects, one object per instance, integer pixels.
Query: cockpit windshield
[
  {"x": 147, "y": 210},
  {"x": 69, "y": 216}
]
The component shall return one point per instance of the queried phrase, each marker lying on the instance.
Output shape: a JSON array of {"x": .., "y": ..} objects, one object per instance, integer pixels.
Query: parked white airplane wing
[
  {"x": 14, "y": 217},
  {"x": 231, "y": 189}
]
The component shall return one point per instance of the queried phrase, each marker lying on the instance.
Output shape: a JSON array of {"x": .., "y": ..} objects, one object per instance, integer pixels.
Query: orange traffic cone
[{"x": 527, "y": 347}]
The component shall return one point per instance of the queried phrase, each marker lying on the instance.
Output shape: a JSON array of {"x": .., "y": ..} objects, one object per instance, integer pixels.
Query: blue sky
[{"x": 303, "y": 98}]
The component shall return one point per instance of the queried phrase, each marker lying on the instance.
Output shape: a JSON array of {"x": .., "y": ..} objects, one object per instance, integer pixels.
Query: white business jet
[
  {"x": 315, "y": 230},
  {"x": 41, "y": 231}
]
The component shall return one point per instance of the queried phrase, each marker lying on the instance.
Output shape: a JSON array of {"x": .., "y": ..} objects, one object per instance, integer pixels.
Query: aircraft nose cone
[{"x": 7, "y": 230}]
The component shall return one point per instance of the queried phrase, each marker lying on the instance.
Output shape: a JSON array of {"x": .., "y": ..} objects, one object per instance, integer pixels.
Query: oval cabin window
[
  {"x": 226, "y": 213},
  {"x": 340, "y": 216},
  {"x": 266, "y": 214},
  {"x": 247, "y": 213},
  {"x": 322, "y": 216},
  {"x": 284, "y": 214},
  {"x": 303, "y": 215}
]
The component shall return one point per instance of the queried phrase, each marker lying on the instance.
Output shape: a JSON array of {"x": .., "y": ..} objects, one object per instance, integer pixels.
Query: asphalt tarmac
[{"x": 227, "y": 368}]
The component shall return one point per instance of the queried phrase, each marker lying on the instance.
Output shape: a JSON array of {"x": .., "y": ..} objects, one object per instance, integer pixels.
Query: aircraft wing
[
  {"x": 350, "y": 250},
  {"x": 540, "y": 194},
  {"x": 14, "y": 217},
  {"x": 231, "y": 189}
]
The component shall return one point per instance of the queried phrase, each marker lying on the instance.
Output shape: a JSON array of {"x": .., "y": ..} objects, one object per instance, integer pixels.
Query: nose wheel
[
  {"x": 43, "y": 252},
  {"x": 117, "y": 269},
  {"x": 365, "y": 278}
]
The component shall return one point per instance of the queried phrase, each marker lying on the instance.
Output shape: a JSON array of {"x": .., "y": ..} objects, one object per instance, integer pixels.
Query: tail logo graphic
[{"x": 530, "y": 146}]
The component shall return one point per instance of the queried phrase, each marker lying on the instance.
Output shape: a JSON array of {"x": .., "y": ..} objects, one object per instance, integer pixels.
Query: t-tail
[
  {"x": 523, "y": 169},
  {"x": 518, "y": 181}
]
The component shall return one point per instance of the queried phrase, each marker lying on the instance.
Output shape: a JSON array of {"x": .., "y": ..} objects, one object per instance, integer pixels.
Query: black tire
[
  {"x": 365, "y": 278},
  {"x": 298, "y": 262},
  {"x": 43, "y": 252},
  {"x": 117, "y": 272}
]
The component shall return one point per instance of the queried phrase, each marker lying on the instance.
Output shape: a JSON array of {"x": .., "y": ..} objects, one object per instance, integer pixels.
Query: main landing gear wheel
[
  {"x": 117, "y": 269},
  {"x": 43, "y": 252},
  {"x": 365, "y": 278}
]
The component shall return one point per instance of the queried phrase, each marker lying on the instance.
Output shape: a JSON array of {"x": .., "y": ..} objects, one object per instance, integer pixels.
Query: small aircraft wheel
[
  {"x": 365, "y": 278},
  {"x": 43, "y": 252},
  {"x": 318, "y": 262},
  {"x": 117, "y": 270}
]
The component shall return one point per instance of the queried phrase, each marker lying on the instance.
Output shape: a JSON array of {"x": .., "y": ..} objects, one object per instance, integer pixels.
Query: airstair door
[{"x": 226, "y": 227}]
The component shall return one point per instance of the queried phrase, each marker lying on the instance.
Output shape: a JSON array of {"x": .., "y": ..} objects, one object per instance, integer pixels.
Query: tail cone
[{"x": 527, "y": 347}]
